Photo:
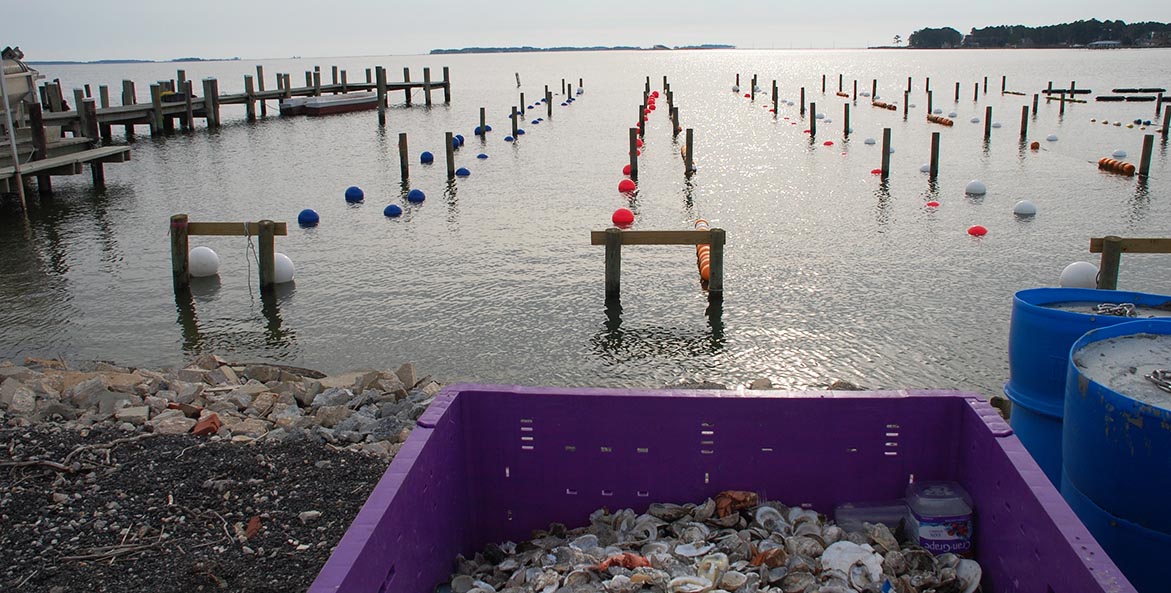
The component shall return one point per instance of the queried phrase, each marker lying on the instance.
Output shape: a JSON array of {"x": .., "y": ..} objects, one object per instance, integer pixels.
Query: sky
[{"x": 114, "y": 29}]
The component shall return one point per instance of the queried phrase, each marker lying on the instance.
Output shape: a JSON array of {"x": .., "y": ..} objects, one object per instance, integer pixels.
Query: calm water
[{"x": 830, "y": 274}]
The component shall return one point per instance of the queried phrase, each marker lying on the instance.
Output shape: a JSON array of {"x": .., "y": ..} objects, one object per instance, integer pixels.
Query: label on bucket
[{"x": 940, "y": 535}]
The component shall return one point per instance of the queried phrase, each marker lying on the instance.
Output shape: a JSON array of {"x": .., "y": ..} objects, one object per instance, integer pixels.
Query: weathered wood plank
[
  {"x": 1141, "y": 245},
  {"x": 656, "y": 237},
  {"x": 232, "y": 229}
]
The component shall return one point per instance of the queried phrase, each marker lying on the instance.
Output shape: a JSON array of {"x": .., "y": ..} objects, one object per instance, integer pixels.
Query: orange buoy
[
  {"x": 1035, "y": 145},
  {"x": 841, "y": 94},
  {"x": 1116, "y": 166},
  {"x": 935, "y": 119},
  {"x": 703, "y": 253},
  {"x": 883, "y": 105}
]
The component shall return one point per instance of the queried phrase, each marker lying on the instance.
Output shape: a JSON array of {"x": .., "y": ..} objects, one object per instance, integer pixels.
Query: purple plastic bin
[{"x": 490, "y": 463}]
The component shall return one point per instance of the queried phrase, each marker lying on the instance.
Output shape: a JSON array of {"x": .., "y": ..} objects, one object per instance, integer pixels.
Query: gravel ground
[{"x": 108, "y": 510}]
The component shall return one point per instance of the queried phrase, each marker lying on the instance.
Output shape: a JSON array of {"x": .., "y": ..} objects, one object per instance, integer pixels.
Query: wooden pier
[
  {"x": 174, "y": 101},
  {"x": 43, "y": 155}
]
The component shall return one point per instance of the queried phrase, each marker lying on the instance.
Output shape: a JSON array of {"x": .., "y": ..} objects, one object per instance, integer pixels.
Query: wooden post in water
[
  {"x": 1061, "y": 110},
  {"x": 407, "y": 86},
  {"x": 774, "y": 96},
  {"x": 316, "y": 81},
  {"x": 634, "y": 154},
  {"x": 873, "y": 89},
  {"x": 380, "y": 77},
  {"x": 446, "y": 85},
  {"x": 929, "y": 102},
  {"x": 641, "y": 120},
  {"x": 333, "y": 78},
  {"x": 927, "y": 84},
  {"x": 569, "y": 90},
  {"x": 822, "y": 83},
  {"x": 563, "y": 87},
  {"x": 689, "y": 158},
  {"x": 267, "y": 252},
  {"x": 88, "y": 93},
  {"x": 188, "y": 109},
  {"x": 548, "y": 102},
  {"x": 1035, "y": 96},
  {"x": 249, "y": 98},
  {"x": 906, "y": 103},
  {"x": 427, "y": 86},
  {"x": 104, "y": 102},
  {"x": 975, "y": 92},
  {"x": 985, "y": 85},
  {"x": 812, "y": 119},
  {"x": 214, "y": 97},
  {"x": 207, "y": 103},
  {"x": 308, "y": 79},
  {"x": 404, "y": 163},
  {"x": 1111, "y": 258},
  {"x": 449, "y": 152},
  {"x": 675, "y": 122},
  {"x": 841, "y": 82},
  {"x": 846, "y": 120},
  {"x": 1003, "y": 84},
  {"x": 933, "y": 170},
  {"x": 513, "y": 119},
  {"x": 802, "y": 102},
  {"x": 1024, "y": 122},
  {"x": 908, "y": 84},
  {"x": 369, "y": 77},
  {"x": 855, "y": 90},
  {"x": 1144, "y": 162},
  {"x": 737, "y": 80},
  {"x": 156, "y": 112},
  {"x": 885, "y": 153},
  {"x": 180, "y": 274},
  {"x": 987, "y": 122},
  {"x": 715, "y": 283},
  {"x": 1158, "y": 104},
  {"x": 613, "y": 263},
  {"x": 90, "y": 109},
  {"x": 483, "y": 123},
  {"x": 40, "y": 147},
  {"x": 1166, "y": 121},
  {"x": 78, "y": 97},
  {"x": 345, "y": 82},
  {"x": 522, "y": 104},
  {"x": 260, "y": 87}
]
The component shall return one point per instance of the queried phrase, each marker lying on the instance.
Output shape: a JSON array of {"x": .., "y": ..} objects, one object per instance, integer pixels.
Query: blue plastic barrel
[
  {"x": 1039, "y": 340},
  {"x": 1117, "y": 462}
]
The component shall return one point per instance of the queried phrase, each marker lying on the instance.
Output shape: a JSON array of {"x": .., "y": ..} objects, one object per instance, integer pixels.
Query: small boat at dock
[{"x": 329, "y": 104}]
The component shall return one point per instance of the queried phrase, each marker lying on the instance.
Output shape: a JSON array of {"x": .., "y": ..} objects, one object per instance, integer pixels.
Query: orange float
[
  {"x": 841, "y": 94},
  {"x": 883, "y": 105},
  {"x": 703, "y": 253},
  {"x": 935, "y": 119},
  {"x": 1116, "y": 166}
]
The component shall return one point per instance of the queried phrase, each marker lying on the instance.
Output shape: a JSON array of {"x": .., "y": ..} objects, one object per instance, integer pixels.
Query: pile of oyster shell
[{"x": 719, "y": 546}]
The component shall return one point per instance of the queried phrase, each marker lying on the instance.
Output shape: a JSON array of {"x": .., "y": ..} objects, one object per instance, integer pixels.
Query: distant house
[{"x": 1104, "y": 45}]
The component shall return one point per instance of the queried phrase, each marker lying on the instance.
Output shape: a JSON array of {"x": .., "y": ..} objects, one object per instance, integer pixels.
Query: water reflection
[
  {"x": 616, "y": 344},
  {"x": 1140, "y": 202},
  {"x": 450, "y": 196},
  {"x": 882, "y": 209},
  {"x": 209, "y": 336}
]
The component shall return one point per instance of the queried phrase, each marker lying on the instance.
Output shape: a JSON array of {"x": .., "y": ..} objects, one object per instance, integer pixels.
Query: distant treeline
[
  {"x": 60, "y": 62},
  {"x": 526, "y": 48},
  {"x": 1078, "y": 33}
]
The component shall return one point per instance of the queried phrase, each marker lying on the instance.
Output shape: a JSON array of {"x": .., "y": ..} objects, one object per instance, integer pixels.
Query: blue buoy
[
  {"x": 416, "y": 196},
  {"x": 563, "y": 104},
  {"x": 540, "y": 119},
  {"x": 477, "y": 131},
  {"x": 520, "y": 131},
  {"x": 460, "y": 137},
  {"x": 508, "y": 138},
  {"x": 354, "y": 194},
  {"x": 308, "y": 217},
  {"x": 535, "y": 122},
  {"x": 462, "y": 172},
  {"x": 426, "y": 157},
  {"x": 488, "y": 127},
  {"x": 481, "y": 156},
  {"x": 454, "y": 142},
  {"x": 392, "y": 211}
]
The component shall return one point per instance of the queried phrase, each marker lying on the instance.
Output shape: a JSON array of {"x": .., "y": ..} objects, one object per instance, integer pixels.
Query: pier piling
[
  {"x": 104, "y": 102},
  {"x": 180, "y": 274},
  {"x": 634, "y": 154},
  {"x": 1024, "y": 122},
  {"x": 380, "y": 77},
  {"x": 975, "y": 92},
  {"x": 449, "y": 152},
  {"x": 885, "y": 153},
  {"x": 957, "y": 99},
  {"x": 156, "y": 113},
  {"x": 802, "y": 102},
  {"x": 1144, "y": 163},
  {"x": 266, "y": 248},
  {"x": 1035, "y": 96},
  {"x": 483, "y": 123},
  {"x": 812, "y": 119},
  {"x": 822, "y": 83},
  {"x": 513, "y": 118},
  {"x": 1166, "y": 121},
  {"x": 447, "y": 85},
  {"x": 427, "y": 86},
  {"x": 260, "y": 87},
  {"x": 407, "y": 89},
  {"x": 689, "y": 157},
  {"x": 249, "y": 98},
  {"x": 987, "y": 122},
  {"x": 846, "y": 120},
  {"x": 933, "y": 170},
  {"x": 404, "y": 161}
]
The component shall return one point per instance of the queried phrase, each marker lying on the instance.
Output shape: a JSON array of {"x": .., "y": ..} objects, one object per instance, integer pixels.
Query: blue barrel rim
[{"x": 1119, "y": 400}]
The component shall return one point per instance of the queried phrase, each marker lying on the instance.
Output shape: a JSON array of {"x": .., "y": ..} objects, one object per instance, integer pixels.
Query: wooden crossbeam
[
  {"x": 1112, "y": 248},
  {"x": 655, "y": 237},
  {"x": 233, "y": 229},
  {"x": 1145, "y": 245}
]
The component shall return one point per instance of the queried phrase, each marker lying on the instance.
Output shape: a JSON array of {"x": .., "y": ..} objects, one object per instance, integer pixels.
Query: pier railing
[{"x": 1112, "y": 248}]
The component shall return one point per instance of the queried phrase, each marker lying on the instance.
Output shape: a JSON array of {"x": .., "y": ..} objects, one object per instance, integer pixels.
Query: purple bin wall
[{"x": 491, "y": 463}]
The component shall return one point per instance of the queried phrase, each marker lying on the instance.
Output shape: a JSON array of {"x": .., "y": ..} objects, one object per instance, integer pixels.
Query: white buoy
[
  {"x": 820, "y": 116},
  {"x": 1119, "y": 154},
  {"x": 975, "y": 120},
  {"x": 1024, "y": 208},
  {"x": 282, "y": 268},
  {"x": 925, "y": 168},
  {"x": 828, "y": 121},
  {"x": 868, "y": 141},
  {"x": 1079, "y": 274},
  {"x": 735, "y": 89},
  {"x": 996, "y": 124},
  {"x": 891, "y": 150},
  {"x": 952, "y": 114},
  {"x": 912, "y": 105},
  {"x": 976, "y": 188},
  {"x": 938, "y": 111},
  {"x": 1051, "y": 138},
  {"x": 202, "y": 262}
]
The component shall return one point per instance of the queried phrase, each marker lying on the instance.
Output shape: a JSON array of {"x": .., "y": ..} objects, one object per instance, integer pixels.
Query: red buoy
[
  {"x": 932, "y": 204},
  {"x": 655, "y": 94},
  {"x": 626, "y": 185},
  {"x": 626, "y": 170},
  {"x": 747, "y": 96},
  {"x": 828, "y": 143},
  {"x": 650, "y": 106},
  {"x": 977, "y": 230},
  {"x": 623, "y": 217},
  {"x": 876, "y": 171},
  {"x": 638, "y": 142}
]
